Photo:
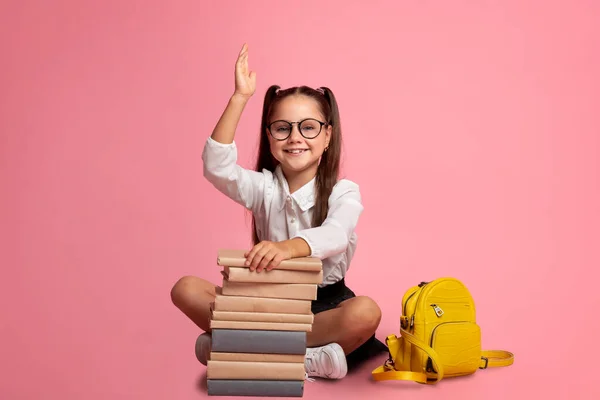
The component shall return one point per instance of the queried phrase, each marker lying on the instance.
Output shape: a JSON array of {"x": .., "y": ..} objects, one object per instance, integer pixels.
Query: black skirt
[{"x": 329, "y": 297}]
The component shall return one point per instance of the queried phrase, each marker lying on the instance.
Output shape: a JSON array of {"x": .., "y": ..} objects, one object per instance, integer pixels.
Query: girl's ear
[{"x": 328, "y": 135}]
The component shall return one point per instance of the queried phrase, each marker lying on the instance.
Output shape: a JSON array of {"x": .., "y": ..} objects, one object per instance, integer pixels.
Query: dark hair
[{"x": 327, "y": 172}]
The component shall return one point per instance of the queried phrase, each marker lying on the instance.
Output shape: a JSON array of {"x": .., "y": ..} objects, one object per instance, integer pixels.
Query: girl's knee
[
  {"x": 364, "y": 315},
  {"x": 179, "y": 288},
  {"x": 183, "y": 290}
]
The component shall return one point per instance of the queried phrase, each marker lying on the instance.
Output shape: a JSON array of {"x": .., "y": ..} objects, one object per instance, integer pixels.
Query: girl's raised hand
[{"x": 245, "y": 80}]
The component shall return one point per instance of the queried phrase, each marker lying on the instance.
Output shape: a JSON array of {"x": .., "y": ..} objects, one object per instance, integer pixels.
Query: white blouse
[{"x": 280, "y": 215}]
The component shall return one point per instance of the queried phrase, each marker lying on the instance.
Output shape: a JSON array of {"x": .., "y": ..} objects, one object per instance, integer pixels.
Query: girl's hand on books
[
  {"x": 245, "y": 81},
  {"x": 267, "y": 255}
]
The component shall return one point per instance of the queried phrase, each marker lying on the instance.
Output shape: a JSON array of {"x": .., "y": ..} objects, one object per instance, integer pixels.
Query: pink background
[{"x": 482, "y": 115}]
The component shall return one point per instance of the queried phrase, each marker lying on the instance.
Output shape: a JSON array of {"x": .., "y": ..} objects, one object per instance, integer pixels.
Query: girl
[{"x": 299, "y": 208}]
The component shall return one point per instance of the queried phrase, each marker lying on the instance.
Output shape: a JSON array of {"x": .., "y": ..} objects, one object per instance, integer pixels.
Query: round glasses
[{"x": 309, "y": 128}]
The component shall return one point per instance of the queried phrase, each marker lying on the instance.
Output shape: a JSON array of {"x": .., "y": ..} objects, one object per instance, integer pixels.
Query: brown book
[
  {"x": 261, "y": 304},
  {"x": 238, "y": 274},
  {"x": 300, "y": 291},
  {"x": 262, "y": 317},
  {"x": 264, "y": 326},
  {"x": 254, "y": 370},
  {"x": 257, "y": 357},
  {"x": 235, "y": 258}
]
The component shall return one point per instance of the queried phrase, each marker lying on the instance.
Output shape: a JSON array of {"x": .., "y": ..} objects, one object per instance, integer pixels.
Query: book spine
[
  {"x": 299, "y": 291},
  {"x": 262, "y": 317},
  {"x": 261, "y": 304},
  {"x": 257, "y": 357},
  {"x": 269, "y": 326},
  {"x": 258, "y": 388},
  {"x": 258, "y": 341},
  {"x": 238, "y": 274},
  {"x": 254, "y": 370}
]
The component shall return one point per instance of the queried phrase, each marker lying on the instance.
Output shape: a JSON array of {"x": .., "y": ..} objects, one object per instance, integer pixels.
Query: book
[
  {"x": 270, "y": 326},
  {"x": 262, "y": 317},
  {"x": 260, "y": 304},
  {"x": 259, "y": 388},
  {"x": 258, "y": 341},
  {"x": 235, "y": 258},
  {"x": 300, "y": 291},
  {"x": 240, "y": 274},
  {"x": 257, "y": 357},
  {"x": 254, "y": 370}
]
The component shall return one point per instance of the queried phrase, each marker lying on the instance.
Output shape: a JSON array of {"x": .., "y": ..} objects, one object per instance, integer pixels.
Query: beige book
[
  {"x": 239, "y": 274},
  {"x": 300, "y": 291},
  {"x": 254, "y": 370},
  {"x": 261, "y": 304},
  {"x": 262, "y": 317},
  {"x": 235, "y": 258},
  {"x": 256, "y": 357},
  {"x": 265, "y": 326}
]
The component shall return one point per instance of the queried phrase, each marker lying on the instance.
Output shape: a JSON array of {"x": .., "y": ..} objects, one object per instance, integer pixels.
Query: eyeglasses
[{"x": 309, "y": 128}]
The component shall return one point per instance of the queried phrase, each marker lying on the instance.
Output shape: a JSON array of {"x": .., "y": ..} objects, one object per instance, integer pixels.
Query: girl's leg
[
  {"x": 193, "y": 296},
  {"x": 350, "y": 324}
]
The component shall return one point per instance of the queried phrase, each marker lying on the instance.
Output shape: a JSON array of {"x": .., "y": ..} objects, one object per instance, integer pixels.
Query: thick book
[
  {"x": 255, "y": 370},
  {"x": 258, "y": 341},
  {"x": 261, "y": 304},
  {"x": 300, "y": 291},
  {"x": 267, "y": 326},
  {"x": 257, "y": 357},
  {"x": 240, "y": 274},
  {"x": 235, "y": 258},
  {"x": 262, "y": 317},
  {"x": 258, "y": 388}
]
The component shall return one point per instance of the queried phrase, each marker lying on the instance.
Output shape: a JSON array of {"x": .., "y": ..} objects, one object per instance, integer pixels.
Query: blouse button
[{"x": 293, "y": 219}]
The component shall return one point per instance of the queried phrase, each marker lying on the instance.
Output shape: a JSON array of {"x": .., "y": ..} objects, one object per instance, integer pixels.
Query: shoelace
[
  {"x": 306, "y": 377},
  {"x": 308, "y": 364}
]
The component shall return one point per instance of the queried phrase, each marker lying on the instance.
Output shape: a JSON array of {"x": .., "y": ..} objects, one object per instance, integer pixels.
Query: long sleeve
[
  {"x": 242, "y": 185},
  {"x": 332, "y": 237}
]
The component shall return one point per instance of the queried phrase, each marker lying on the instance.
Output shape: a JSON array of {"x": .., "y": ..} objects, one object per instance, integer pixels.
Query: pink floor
[{"x": 522, "y": 380}]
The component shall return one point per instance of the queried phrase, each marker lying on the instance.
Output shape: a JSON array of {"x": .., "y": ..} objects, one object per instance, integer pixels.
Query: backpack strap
[
  {"x": 496, "y": 358},
  {"x": 489, "y": 358},
  {"x": 387, "y": 372}
]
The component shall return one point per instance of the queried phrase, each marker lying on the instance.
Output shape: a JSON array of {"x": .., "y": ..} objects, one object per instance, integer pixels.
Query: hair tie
[{"x": 320, "y": 90}]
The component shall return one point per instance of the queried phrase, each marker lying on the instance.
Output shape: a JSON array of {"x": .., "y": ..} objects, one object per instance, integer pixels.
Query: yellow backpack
[{"x": 439, "y": 336}]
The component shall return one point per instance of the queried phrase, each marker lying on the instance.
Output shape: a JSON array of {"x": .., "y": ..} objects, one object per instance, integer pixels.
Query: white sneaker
[
  {"x": 203, "y": 347},
  {"x": 327, "y": 361}
]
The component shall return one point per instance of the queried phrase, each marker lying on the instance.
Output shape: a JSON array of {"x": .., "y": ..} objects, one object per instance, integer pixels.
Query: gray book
[
  {"x": 258, "y": 341},
  {"x": 263, "y": 388}
]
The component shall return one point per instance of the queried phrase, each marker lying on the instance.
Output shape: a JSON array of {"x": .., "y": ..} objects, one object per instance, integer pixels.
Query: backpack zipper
[{"x": 412, "y": 318}]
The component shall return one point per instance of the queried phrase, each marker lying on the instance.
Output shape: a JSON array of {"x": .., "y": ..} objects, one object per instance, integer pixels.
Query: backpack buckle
[{"x": 486, "y": 362}]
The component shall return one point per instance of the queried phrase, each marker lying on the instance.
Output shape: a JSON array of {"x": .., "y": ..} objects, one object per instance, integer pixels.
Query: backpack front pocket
[{"x": 459, "y": 346}]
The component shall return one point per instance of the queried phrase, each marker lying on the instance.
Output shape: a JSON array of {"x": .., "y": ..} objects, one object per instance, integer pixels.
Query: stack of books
[{"x": 259, "y": 322}]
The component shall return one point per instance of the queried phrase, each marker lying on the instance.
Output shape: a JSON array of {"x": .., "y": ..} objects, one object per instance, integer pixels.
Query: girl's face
[{"x": 297, "y": 153}]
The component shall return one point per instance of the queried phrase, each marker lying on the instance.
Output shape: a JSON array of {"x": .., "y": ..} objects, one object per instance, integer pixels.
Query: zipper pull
[
  {"x": 412, "y": 321},
  {"x": 438, "y": 311}
]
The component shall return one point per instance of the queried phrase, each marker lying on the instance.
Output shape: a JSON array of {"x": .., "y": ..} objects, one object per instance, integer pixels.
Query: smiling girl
[{"x": 300, "y": 208}]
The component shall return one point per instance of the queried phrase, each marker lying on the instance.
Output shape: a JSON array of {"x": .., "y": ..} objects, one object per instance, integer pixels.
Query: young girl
[{"x": 299, "y": 208}]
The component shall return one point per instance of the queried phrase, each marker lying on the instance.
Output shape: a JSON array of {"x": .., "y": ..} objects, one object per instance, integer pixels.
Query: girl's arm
[
  {"x": 221, "y": 169},
  {"x": 333, "y": 236},
  {"x": 245, "y": 85}
]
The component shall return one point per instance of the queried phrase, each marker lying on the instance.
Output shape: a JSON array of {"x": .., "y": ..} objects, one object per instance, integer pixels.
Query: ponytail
[
  {"x": 328, "y": 170},
  {"x": 265, "y": 159}
]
